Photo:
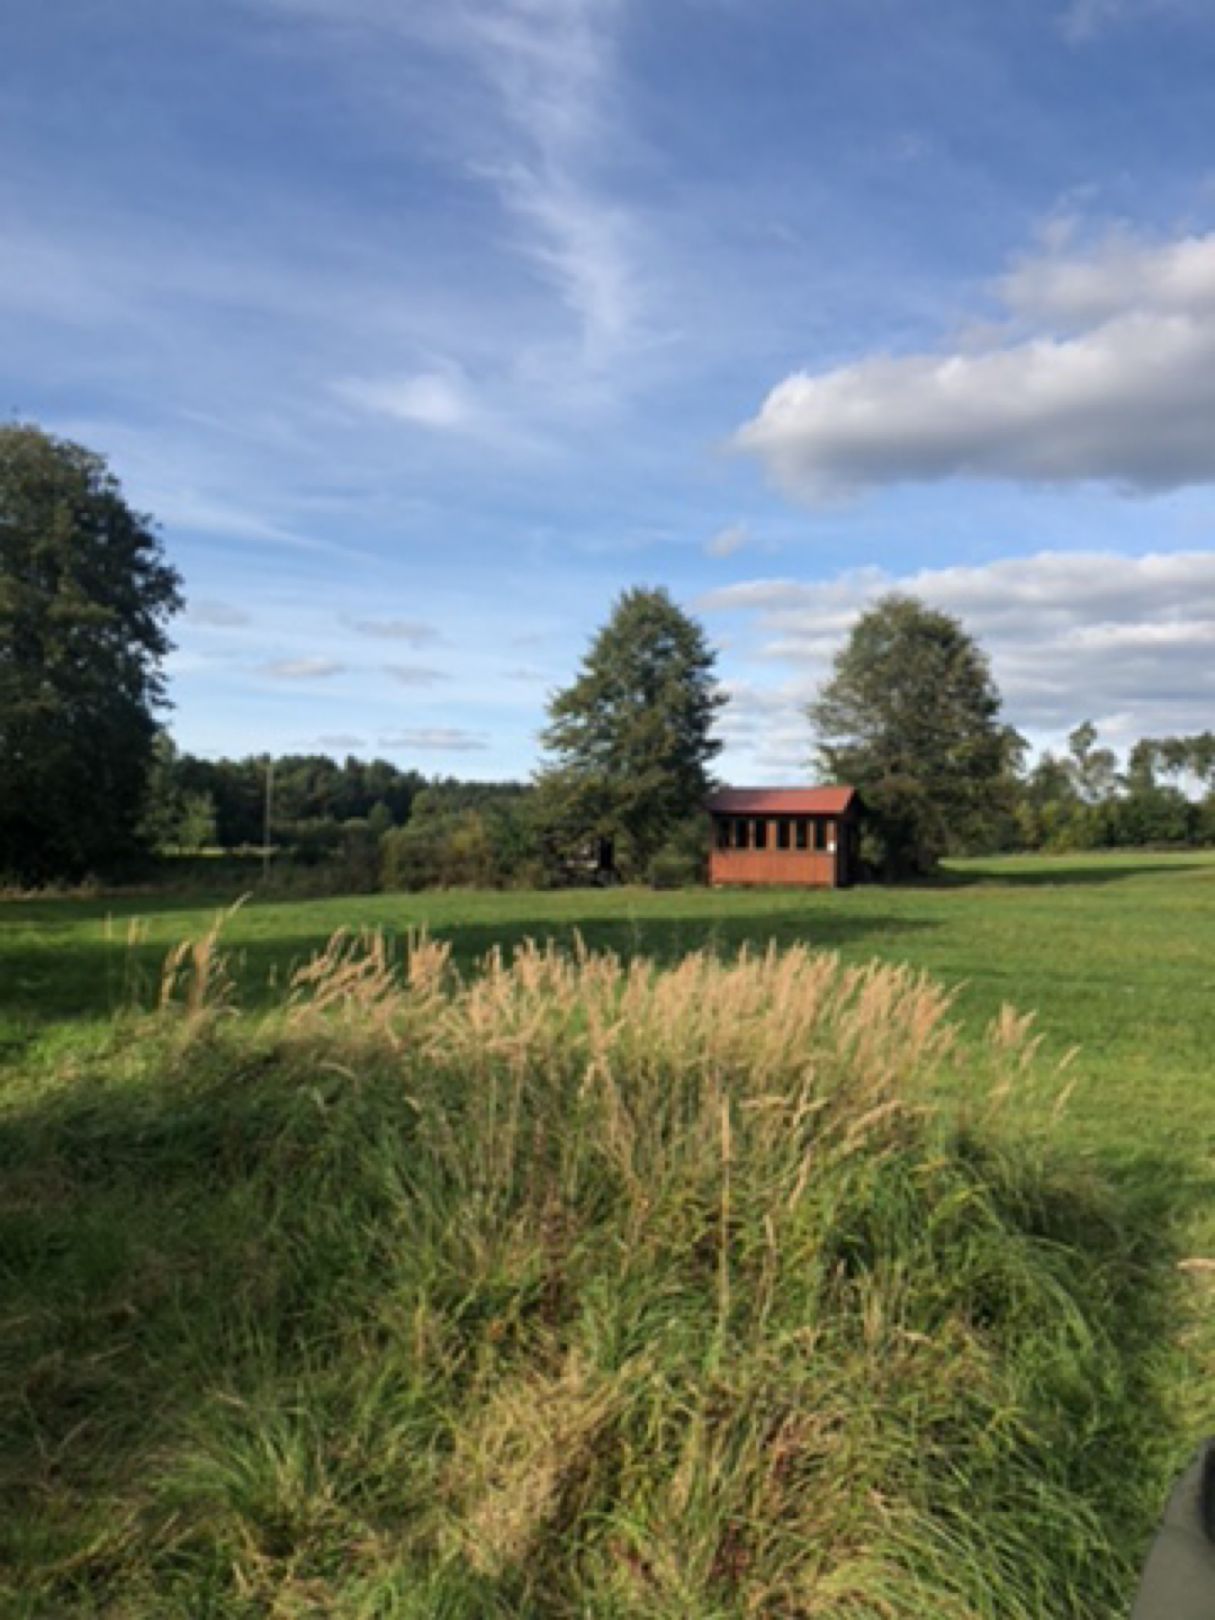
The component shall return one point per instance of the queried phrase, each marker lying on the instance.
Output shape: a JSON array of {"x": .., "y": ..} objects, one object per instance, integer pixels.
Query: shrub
[{"x": 671, "y": 869}]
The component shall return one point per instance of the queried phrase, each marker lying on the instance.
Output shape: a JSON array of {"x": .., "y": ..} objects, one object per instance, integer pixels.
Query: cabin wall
[
  {"x": 827, "y": 867},
  {"x": 786, "y": 867}
]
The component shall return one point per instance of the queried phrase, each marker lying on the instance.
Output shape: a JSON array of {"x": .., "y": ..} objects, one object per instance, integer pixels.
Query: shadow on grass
[
  {"x": 89, "y": 979},
  {"x": 197, "y": 1268},
  {"x": 1060, "y": 875}
]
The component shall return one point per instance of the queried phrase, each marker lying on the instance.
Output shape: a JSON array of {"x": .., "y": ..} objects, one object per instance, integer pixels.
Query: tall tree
[
  {"x": 1094, "y": 770},
  {"x": 911, "y": 717},
  {"x": 85, "y": 598},
  {"x": 631, "y": 739}
]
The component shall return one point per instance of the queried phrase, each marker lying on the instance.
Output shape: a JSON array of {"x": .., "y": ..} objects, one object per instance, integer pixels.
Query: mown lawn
[{"x": 1115, "y": 955}]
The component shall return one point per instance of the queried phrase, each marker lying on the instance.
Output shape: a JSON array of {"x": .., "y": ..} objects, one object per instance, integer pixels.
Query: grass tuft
[{"x": 569, "y": 1287}]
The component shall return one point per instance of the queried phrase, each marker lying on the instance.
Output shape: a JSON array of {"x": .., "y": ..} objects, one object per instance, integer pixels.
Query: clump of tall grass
[{"x": 569, "y": 1288}]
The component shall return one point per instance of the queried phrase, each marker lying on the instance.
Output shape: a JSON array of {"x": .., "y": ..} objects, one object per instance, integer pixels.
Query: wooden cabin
[{"x": 808, "y": 837}]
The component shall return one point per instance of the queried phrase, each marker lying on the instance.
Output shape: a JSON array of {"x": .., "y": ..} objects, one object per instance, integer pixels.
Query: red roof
[{"x": 820, "y": 801}]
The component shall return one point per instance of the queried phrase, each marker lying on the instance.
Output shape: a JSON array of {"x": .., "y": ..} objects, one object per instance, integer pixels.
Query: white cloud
[
  {"x": 340, "y": 742},
  {"x": 1125, "y": 396},
  {"x": 437, "y": 739},
  {"x": 1085, "y": 20},
  {"x": 551, "y": 64},
  {"x": 1121, "y": 274},
  {"x": 415, "y": 674},
  {"x": 540, "y": 140},
  {"x": 1124, "y": 640},
  {"x": 440, "y": 400},
  {"x": 301, "y": 669},
  {"x": 414, "y": 632},
  {"x": 215, "y": 615},
  {"x": 728, "y": 540}
]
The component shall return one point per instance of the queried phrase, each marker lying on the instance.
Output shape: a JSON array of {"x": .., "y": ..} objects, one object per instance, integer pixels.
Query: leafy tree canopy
[
  {"x": 911, "y": 717},
  {"x": 85, "y": 598},
  {"x": 631, "y": 739}
]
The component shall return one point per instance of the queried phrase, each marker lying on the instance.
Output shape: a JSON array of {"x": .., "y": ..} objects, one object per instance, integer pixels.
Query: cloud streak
[
  {"x": 728, "y": 540},
  {"x": 302, "y": 669},
  {"x": 415, "y": 674},
  {"x": 414, "y": 632},
  {"x": 434, "y": 739}
]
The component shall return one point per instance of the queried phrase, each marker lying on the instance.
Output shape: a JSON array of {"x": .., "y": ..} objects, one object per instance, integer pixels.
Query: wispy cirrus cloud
[
  {"x": 440, "y": 400},
  {"x": 213, "y": 614},
  {"x": 1082, "y": 21},
  {"x": 1114, "y": 384},
  {"x": 414, "y": 632},
  {"x": 551, "y": 64},
  {"x": 302, "y": 669},
  {"x": 435, "y": 739},
  {"x": 727, "y": 541},
  {"x": 415, "y": 674},
  {"x": 540, "y": 141}
]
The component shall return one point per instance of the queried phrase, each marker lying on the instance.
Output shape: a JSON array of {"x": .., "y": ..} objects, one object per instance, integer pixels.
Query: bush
[
  {"x": 569, "y": 1289},
  {"x": 671, "y": 869}
]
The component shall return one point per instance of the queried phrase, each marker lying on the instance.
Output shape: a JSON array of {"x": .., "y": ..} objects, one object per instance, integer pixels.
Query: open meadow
[{"x": 562, "y": 1290}]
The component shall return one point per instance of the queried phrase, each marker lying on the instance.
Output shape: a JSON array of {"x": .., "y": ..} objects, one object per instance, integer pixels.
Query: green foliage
[
  {"x": 911, "y": 718},
  {"x": 631, "y": 738},
  {"x": 1083, "y": 802},
  {"x": 670, "y": 869},
  {"x": 1094, "y": 770},
  {"x": 197, "y": 825},
  {"x": 464, "y": 835},
  {"x": 309, "y": 789},
  {"x": 85, "y": 596}
]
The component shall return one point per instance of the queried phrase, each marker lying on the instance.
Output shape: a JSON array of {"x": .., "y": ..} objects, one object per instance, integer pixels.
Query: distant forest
[{"x": 367, "y": 824}]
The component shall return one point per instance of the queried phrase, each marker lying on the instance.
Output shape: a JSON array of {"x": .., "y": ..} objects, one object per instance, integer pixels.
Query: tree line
[{"x": 910, "y": 715}]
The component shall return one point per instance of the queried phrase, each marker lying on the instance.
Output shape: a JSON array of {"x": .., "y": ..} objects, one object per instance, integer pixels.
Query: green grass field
[
  {"x": 1115, "y": 955},
  {"x": 150, "y": 1181}
]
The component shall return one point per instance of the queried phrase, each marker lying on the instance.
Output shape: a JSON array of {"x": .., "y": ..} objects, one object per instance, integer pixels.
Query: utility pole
[{"x": 267, "y": 816}]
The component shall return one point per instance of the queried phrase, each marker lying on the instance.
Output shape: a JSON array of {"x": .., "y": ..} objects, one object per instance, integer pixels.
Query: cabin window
[
  {"x": 761, "y": 834},
  {"x": 820, "y": 835},
  {"x": 803, "y": 832},
  {"x": 723, "y": 833},
  {"x": 784, "y": 832},
  {"x": 741, "y": 829}
]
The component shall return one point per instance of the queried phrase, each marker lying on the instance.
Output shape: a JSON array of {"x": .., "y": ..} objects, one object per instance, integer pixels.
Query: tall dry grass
[{"x": 570, "y": 1287}]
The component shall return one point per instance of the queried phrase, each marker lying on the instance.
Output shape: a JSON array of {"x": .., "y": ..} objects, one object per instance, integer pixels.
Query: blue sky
[{"x": 426, "y": 326}]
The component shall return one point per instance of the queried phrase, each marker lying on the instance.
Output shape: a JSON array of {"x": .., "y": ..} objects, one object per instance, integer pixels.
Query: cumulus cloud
[
  {"x": 728, "y": 540},
  {"x": 301, "y": 669},
  {"x": 1067, "y": 289},
  {"x": 415, "y": 674},
  {"x": 1113, "y": 381},
  {"x": 1124, "y": 640},
  {"x": 437, "y": 739}
]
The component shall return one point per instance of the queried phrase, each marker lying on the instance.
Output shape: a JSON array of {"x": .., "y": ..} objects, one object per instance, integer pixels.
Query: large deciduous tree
[
  {"x": 631, "y": 739},
  {"x": 85, "y": 598},
  {"x": 911, "y": 717}
]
